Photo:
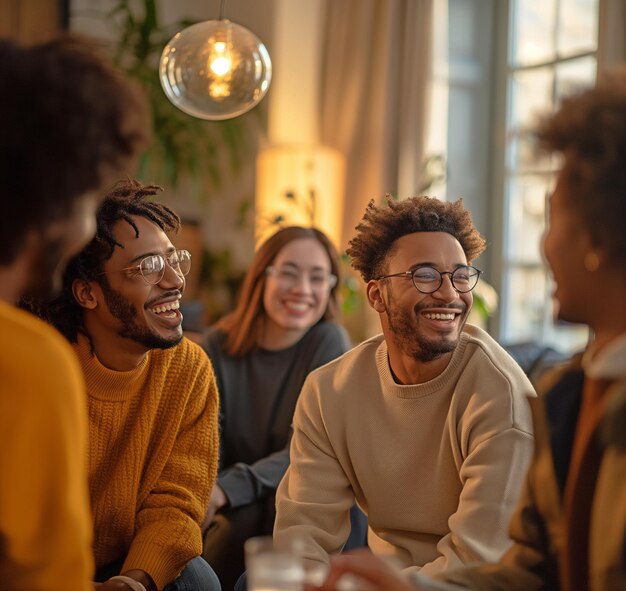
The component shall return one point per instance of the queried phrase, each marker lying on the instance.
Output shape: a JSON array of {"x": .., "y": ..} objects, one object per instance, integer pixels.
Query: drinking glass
[{"x": 273, "y": 567}]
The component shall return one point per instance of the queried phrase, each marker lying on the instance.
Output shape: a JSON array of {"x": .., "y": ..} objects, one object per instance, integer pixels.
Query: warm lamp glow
[
  {"x": 215, "y": 70},
  {"x": 303, "y": 185}
]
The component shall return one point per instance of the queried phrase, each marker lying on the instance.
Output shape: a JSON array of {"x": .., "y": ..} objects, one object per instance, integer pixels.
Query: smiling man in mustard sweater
[{"x": 153, "y": 404}]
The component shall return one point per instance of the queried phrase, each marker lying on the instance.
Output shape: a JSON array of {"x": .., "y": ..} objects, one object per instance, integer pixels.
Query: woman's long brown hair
[{"x": 242, "y": 325}]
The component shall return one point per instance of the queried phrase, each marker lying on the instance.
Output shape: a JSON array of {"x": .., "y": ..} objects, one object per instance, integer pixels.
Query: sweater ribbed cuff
[{"x": 160, "y": 564}]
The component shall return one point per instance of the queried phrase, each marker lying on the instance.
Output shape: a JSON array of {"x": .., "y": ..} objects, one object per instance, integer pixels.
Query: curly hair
[
  {"x": 71, "y": 124},
  {"x": 382, "y": 226},
  {"x": 242, "y": 325},
  {"x": 589, "y": 129},
  {"x": 127, "y": 199}
]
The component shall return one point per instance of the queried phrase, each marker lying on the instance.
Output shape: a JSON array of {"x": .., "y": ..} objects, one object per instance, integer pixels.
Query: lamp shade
[
  {"x": 215, "y": 70},
  {"x": 299, "y": 185}
]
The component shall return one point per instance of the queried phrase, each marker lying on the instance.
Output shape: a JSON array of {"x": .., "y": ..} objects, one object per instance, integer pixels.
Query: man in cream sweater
[
  {"x": 427, "y": 426},
  {"x": 569, "y": 528}
]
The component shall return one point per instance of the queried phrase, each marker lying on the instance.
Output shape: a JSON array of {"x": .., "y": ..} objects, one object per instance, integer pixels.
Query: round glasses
[
  {"x": 152, "y": 267},
  {"x": 429, "y": 279},
  {"x": 289, "y": 277}
]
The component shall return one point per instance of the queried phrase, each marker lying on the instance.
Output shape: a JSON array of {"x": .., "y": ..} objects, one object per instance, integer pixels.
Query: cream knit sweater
[{"x": 437, "y": 467}]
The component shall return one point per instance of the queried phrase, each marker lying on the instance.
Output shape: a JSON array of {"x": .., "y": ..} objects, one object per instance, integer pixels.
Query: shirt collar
[{"x": 609, "y": 363}]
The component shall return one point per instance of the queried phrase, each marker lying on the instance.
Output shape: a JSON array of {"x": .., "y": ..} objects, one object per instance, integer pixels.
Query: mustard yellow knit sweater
[
  {"x": 45, "y": 522},
  {"x": 153, "y": 456}
]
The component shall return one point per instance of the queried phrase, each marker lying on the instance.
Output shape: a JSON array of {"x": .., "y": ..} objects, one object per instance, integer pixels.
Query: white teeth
[
  {"x": 300, "y": 307},
  {"x": 439, "y": 316},
  {"x": 166, "y": 307}
]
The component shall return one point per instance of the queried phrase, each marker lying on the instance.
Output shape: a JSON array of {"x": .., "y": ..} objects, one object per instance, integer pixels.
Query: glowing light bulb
[
  {"x": 219, "y": 60},
  {"x": 215, "y": 70}
]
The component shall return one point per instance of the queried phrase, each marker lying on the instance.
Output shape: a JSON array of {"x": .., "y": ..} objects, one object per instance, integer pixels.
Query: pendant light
[{"x": 215, "y": 69}]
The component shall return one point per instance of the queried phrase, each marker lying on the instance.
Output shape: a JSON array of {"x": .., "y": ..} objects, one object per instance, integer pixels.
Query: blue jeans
[
  {"x": 196, "y": 576},
  {"x": 242, "y": 583}
]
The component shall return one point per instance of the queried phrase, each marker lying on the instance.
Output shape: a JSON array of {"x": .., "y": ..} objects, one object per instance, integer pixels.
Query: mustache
[{"x": 172, "y": 293}]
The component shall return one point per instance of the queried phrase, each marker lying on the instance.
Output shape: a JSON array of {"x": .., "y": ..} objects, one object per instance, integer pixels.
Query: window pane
[
  {"x": 526, "y": 217},
  {"x": 535, "y": 37},
  {"x": 524, "y": 317},
  {"x": 574, "y": 75},
  {"x": 524, "y": 155},
  {"x": 578, "y": 26},
  {"x": 533, "y": 24},
  {"x": 531, "y": 96}
]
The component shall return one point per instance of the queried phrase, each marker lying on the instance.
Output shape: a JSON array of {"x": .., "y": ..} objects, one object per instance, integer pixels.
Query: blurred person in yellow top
[
  {"x": 569, "y": 529},
  {"x": 152, "y": 396},
  {"x": 70, "y": 125}
]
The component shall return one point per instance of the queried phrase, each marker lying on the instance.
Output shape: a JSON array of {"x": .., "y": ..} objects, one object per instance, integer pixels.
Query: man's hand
[
  {"x": 376, "y": 574},
  {"x": 111, "y": 586},
  {"x": 115, "y": 584},
  {"x": 216, "y": 502},
  {"x": 132, "y": 580}
]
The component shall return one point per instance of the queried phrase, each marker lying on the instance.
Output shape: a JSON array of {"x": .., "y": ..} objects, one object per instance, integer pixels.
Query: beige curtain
[
  {"x": 375, "y": 85},
  {"x": 612, "y": 34}
]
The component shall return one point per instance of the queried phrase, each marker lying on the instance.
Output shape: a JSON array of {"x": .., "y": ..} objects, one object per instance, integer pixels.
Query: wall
[
  {"x": 30, "y": 21},
  {"x": 218, "y": 211}
]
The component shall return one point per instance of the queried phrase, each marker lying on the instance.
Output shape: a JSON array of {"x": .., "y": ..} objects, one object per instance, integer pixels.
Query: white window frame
[{"x": 501, "y": 262}]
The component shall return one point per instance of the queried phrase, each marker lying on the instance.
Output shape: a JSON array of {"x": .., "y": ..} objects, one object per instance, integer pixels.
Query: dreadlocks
[{"x": 126, "y": 200}]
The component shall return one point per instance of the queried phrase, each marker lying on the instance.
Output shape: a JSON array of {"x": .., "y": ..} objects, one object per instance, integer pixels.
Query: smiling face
[
  {"x": 147, "y": 315},
  {"x": 296, "y": 293},
  {"x": 418, "y": 326}
]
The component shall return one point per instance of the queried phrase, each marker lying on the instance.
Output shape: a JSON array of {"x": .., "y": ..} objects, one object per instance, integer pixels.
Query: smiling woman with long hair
[{"x": 281, "y": 329}]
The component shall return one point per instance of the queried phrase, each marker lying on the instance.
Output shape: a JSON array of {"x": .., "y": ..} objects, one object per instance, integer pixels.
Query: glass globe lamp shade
[{"x": 215, "y": 70}]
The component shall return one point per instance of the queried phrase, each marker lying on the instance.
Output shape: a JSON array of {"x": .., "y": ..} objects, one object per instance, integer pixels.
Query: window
[{"x": 551, "y": 51}]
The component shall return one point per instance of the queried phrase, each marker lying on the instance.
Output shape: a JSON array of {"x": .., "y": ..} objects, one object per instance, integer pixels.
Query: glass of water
[{"x": 271, "y": 567}]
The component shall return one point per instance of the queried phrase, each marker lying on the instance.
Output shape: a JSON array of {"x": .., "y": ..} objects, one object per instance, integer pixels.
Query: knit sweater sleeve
[
  {"x": 45, "y": 522},
  {"x": 529, "y": 565},
  {"x": 492, "y": 476},
  {"x": 314, "y": 498},
  {"x": 167, "y": 526},
  {"x": 495, "y": 445}
]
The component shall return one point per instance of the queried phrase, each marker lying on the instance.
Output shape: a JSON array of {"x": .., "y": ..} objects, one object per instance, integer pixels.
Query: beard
[
  {"x": 411, "y": 342},
  {"x": 127, "y": 314}
]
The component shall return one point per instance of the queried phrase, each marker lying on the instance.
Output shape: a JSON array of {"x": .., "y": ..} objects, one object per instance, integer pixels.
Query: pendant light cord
[{"x": 222, "y": 3}]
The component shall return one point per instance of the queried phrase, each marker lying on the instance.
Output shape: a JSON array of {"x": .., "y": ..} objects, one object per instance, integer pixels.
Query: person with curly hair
[
  {"x": 569, "y": 529},
  {"x": 71, "y": 124},
  {"x": 427, "y": 425},
  {"x": 152, "y": 396}
]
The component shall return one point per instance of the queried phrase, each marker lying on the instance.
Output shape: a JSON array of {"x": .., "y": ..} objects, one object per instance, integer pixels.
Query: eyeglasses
[
  {"x": 429, "y": 279},
  {"x": 152, "y": 268},
  {"x": 289, "y": 277}
]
